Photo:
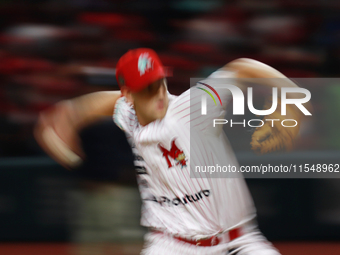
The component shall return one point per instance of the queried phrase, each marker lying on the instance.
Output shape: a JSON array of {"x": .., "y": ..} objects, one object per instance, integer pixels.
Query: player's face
[{"x": 152, "y": 102}]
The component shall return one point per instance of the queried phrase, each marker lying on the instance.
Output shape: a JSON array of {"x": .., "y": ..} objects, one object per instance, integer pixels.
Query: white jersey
[{"x": 174, "y": 202}]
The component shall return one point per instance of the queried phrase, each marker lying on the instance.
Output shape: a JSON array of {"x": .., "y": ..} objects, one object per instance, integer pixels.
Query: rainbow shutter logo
[
  {"x": 239, "y": 102},
  {"x": 204, "y": 98}
]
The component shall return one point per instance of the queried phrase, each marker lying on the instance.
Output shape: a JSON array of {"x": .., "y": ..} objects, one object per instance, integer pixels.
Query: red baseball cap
[{"x": 138, "y": 68}]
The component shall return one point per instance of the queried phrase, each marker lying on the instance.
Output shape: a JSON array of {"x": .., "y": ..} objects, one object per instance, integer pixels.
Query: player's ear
[{"x": 126, "y": 92}]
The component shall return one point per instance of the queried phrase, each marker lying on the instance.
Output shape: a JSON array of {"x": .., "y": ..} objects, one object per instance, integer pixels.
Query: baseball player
[{"x": 184, "y": 215}]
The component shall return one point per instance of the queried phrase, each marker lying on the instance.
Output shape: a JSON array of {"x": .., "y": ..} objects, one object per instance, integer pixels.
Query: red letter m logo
[{"x": 174, "y": 153}]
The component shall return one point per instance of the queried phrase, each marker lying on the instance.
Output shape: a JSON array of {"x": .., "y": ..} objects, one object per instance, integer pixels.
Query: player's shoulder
[
  {"x": 222, "y": 73},
  {"x": 179, "y": 106},
  {"x": 217, "y": 79},
  {"x": 122, "y": 105},
  {"x": 175, "y": 101},
  {"x": 124, "y": 115}
]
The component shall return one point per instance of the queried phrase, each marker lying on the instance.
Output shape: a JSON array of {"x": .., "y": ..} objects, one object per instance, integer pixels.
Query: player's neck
[
  {"x": 143, "y": 121},
  {"x": 146, "y": 119}
]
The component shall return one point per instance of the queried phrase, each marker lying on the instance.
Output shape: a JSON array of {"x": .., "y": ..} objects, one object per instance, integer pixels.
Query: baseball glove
[{"x": 273, "y": 136}]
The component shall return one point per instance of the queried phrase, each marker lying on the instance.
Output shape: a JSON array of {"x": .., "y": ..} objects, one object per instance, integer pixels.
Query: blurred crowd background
[{"x": 52, "y": 50}]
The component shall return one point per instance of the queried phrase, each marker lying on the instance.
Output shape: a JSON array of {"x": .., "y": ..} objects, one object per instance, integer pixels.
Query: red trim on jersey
[{"x": 212, "y": 241}]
